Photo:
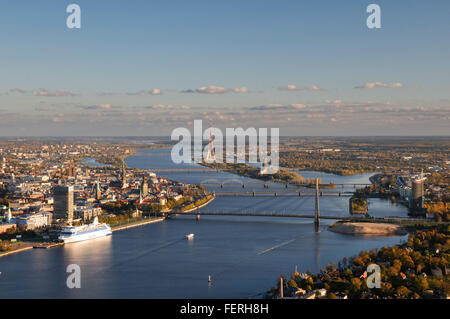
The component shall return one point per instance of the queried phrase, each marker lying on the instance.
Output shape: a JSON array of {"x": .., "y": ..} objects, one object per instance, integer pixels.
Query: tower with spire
[
  {"x": 98, "y": 192},
  {"x": 211, "y": 156},
  {"x": 144, "y": 187},
  {"x": 9, "y": 216},
  {"x": 124, "y": 175}
]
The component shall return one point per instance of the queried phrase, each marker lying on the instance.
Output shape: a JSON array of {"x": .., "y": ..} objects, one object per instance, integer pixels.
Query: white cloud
[
  {"x": 297, "y": 106},
  {"x": 167, "y": 107},
  {"x": 372, "y": 85},
  {"x": 105, "y": 106},
  {"x": 44, "y": 92},
  {"x": 212, "y": 90},
  {"x": 313, "y": 88},
  {"x": 155, "y": 92},
  {"x": 241, "y": 90},
  {"x": 61, "y": 118},
  {"x": 145, "y": 92},
  {"x": 335, "y": 102},
  {"x": 290, "y": 87},
  {"x": 293, "y": 87}
]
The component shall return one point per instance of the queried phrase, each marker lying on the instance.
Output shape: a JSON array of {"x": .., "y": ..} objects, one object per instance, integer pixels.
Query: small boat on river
[{"x": 190, "y": 236}]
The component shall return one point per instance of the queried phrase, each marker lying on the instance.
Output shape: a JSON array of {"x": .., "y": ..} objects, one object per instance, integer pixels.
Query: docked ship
[{"x": 71, "y": 234}]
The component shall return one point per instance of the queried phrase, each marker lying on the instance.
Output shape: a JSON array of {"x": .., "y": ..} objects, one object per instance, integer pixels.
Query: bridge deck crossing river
[
  {"x": 395, "y": 220},
  {"x": 320, "y": 190},
  {"x": 282, "y": 193}
]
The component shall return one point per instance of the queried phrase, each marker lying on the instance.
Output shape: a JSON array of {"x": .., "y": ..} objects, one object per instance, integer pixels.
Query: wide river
[{"x": 243, "y": 255}]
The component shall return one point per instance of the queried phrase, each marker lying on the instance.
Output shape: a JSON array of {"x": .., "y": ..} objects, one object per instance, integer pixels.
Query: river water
[{"x": 243, "y": 255}]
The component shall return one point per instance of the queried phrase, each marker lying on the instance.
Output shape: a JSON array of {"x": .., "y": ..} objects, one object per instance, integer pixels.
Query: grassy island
[{"x": 281, "y": 176}]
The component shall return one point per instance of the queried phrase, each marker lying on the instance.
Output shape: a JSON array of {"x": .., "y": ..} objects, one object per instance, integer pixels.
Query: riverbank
[
  {"x": 137, "y": 224},
  {"x": 27, "y": 245},
  {"x": 198, "y": 207},
  {"x": 16, "y": 250},
  {"x": 372, "y": 229}
]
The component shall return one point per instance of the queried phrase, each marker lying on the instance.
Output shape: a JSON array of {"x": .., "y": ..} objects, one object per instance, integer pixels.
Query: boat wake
[{"x": 277, "y": 246}]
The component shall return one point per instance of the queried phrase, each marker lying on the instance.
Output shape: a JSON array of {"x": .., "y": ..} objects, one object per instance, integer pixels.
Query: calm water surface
[{"x": 155, "y": 261}]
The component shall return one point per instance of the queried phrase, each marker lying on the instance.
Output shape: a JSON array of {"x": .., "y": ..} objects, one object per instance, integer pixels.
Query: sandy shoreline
[{"x": 377, "y": 229}]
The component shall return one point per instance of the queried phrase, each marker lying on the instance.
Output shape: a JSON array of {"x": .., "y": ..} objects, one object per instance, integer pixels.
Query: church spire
[
  {"x": 124, "y": 175},
  {"x": 9, "y": 216},
  {"x": 211, "y": 156}
]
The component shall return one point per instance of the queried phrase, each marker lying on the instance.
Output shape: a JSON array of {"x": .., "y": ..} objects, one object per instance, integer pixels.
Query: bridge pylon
[{"x": 317, "y": 211}]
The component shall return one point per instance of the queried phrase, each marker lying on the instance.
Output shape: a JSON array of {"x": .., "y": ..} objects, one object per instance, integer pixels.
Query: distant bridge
[
  {"x": 200, "y": 170},
  {"x": 282, "y": 193},
  {"x": 235, "y": 181},
  {"x": 289, "y": 215},
  {"x": 317, "y": 194},
  {"x": 316, "y": 215}
]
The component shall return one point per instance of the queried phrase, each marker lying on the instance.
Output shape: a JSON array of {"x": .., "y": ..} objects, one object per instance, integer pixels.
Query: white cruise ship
[{"x": 71, "y": 234}]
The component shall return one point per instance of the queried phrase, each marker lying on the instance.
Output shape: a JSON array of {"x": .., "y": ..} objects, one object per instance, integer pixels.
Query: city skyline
[{"x": 307, "y": 68}]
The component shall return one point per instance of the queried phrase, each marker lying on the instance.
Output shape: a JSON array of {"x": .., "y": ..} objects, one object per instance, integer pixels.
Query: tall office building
[
  {"x": 417, "y": 194},
  {"x": 71, "y": 171},
  {"x": 98, "y": 192},
  {"x": 63, "y": 202}
]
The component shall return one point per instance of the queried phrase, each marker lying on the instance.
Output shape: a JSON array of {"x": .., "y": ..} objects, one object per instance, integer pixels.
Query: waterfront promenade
[{"x": 137, "y": 224}]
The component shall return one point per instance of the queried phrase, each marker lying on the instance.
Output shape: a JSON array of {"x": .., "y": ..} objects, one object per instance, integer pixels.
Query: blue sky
[{"x": 307, "y": 67}]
